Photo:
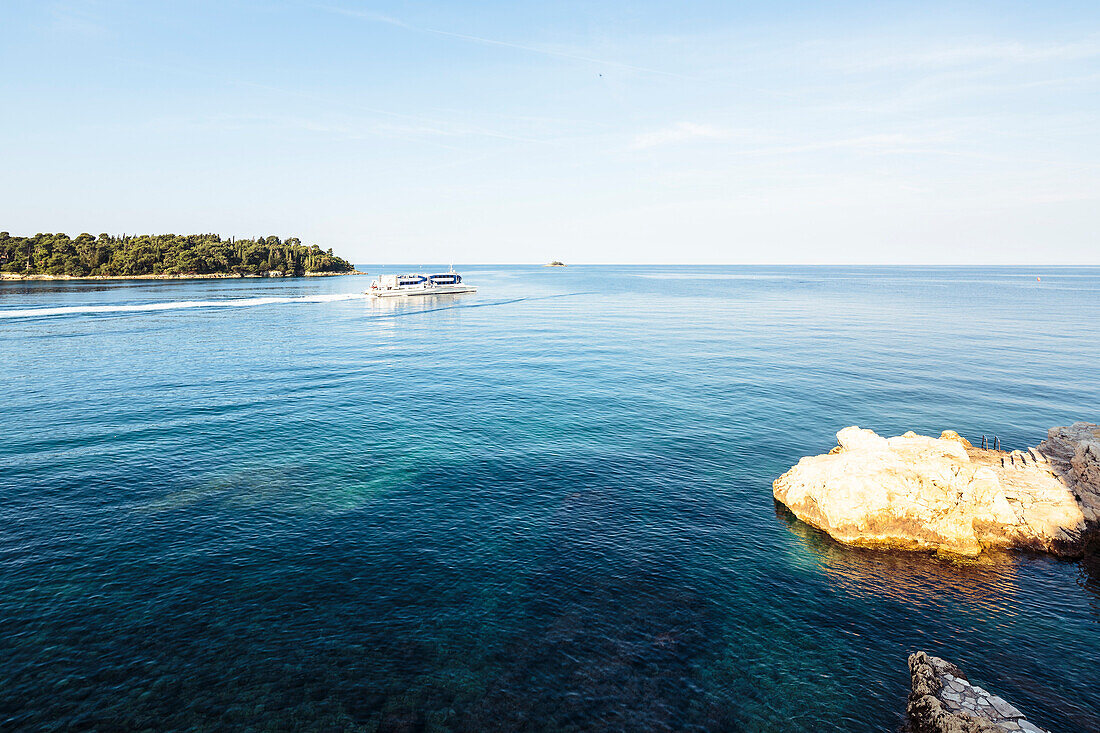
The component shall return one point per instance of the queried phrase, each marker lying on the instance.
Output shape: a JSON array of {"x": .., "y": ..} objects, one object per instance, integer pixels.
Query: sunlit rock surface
[
  {"x": 943, "y": 700},
  {"x": 1074, "y": 454},
  {"x": 923, "y": 493}
]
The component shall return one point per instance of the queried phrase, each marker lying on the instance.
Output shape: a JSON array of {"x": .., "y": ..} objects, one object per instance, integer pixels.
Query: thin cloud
[
  {"x": 418, "y": 126},
  {"x": 425, "y": 124},
  {"x": 548, "y": 52},
  {"x": 678, "y": 133},
  {"x": 388, "y": 20},
  {"x": 1007, "y": 52},
  {"x": 334, "y": 129},
  {"x": 758, "y": 143},
  {"x": 880, "y": 143},
  {"x": 1001, "y": 52},
  {"x": 75, "y": 18},
  {"x": 365, "y": 15}
]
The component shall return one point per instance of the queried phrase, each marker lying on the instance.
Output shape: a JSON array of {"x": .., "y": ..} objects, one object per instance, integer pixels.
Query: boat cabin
[
  {"x": 397, "y": 281},
  {"x": 444, "y": 283},
  {"x": 416, "y": 280}
]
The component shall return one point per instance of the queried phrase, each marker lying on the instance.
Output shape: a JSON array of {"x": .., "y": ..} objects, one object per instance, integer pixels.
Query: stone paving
[
  {"x": 944, "y": 701},
  {"x": 959, "y": 696}
]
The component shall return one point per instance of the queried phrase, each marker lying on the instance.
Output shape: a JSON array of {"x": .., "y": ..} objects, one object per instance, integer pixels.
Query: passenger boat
[{"x": 397, "y": 286}]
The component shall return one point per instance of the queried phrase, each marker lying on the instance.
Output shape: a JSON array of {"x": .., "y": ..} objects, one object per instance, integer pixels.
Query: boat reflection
[{"x": 382, "y": 307}]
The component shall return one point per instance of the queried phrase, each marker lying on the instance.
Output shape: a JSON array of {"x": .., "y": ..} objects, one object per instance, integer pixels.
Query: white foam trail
[{"x": 173, "y": 305}]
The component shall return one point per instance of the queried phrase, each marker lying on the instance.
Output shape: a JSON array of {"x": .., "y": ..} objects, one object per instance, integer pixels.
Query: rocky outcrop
[
  {"x": 942, "y": 700},
  {"x": 1074, "y": 454},
  {"x": 922, "y": 493}
]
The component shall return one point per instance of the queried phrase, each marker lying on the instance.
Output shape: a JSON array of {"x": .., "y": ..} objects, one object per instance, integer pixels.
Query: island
[
  {"x": 915, "y": 492},
  {"x": 162, "y": 256},
  {"x": 556, "y": 263}
]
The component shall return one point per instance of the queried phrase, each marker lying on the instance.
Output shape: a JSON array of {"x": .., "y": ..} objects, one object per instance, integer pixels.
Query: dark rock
[{"x": 930, "y": 712}]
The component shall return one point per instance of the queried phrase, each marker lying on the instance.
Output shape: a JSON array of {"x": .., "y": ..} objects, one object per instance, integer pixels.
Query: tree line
[{"x": 162, "y": 254}]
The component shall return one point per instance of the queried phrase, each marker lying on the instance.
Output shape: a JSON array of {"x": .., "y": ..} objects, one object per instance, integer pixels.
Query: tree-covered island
[{"x": 166, "y": 255}]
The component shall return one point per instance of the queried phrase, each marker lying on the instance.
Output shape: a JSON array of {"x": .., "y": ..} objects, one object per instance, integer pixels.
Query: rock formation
[
  {"x": 942, "y": 700},
  {"x": 1074, "y": 454},
  {"x": 922, "y": 493}
]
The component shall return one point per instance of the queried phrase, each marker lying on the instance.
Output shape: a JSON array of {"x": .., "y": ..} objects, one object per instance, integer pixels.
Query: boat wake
[
  {"x": 174, "y": 305},
  {"x": 455, "y": 306},
  {"x": 76, "y": 310}
]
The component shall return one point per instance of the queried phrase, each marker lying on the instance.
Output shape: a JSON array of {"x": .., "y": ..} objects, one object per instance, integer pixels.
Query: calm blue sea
[{"x": 265, "y": 505}]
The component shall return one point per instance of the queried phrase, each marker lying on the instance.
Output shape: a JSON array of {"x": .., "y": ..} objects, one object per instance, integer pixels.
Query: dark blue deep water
[{"x": 264, "y": 505}]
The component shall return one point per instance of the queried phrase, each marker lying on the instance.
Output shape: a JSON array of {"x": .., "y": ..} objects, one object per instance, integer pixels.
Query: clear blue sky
[{"x": 770, "y": 132}]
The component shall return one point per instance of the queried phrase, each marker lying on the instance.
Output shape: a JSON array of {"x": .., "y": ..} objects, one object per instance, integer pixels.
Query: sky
[{"x": 959, "y": 133}]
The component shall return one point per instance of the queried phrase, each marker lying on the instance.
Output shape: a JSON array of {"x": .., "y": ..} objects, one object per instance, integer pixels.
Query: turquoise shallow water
[{"x": 276, "y": 505}]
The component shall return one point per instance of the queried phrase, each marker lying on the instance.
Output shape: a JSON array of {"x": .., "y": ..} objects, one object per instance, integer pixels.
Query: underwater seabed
[{"x": 545, "y": 506}]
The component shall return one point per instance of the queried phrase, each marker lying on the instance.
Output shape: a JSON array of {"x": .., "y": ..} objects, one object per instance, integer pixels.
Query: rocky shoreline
[
  {"x": 916, "y": 492},
  {"x": 207, "y": 276},
  {"x": 943, "y": 700}
]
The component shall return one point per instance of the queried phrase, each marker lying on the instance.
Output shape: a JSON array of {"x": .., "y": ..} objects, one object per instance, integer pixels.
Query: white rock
[{"x": 917, "y": 492}]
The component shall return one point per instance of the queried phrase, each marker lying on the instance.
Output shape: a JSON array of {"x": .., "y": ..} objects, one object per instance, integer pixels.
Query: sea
[{"x": 278, "y": 505}]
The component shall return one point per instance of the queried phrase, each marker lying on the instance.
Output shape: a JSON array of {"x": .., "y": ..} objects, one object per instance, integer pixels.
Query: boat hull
[{"x": 416, "y": 292}]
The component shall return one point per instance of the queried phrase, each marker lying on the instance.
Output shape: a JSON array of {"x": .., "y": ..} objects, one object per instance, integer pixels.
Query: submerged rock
[
  {"x": 942, "y": 700},
  {"x": 922, "y": 493}
]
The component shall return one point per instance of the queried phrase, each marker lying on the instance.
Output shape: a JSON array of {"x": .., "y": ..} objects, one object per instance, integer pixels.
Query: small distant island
[
  {"x": 162, "y": 256},
  {"x": 556, "y": 263}
]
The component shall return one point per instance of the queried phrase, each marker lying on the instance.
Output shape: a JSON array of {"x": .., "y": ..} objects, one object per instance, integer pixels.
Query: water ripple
[{"x": 546, "y": 505}]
